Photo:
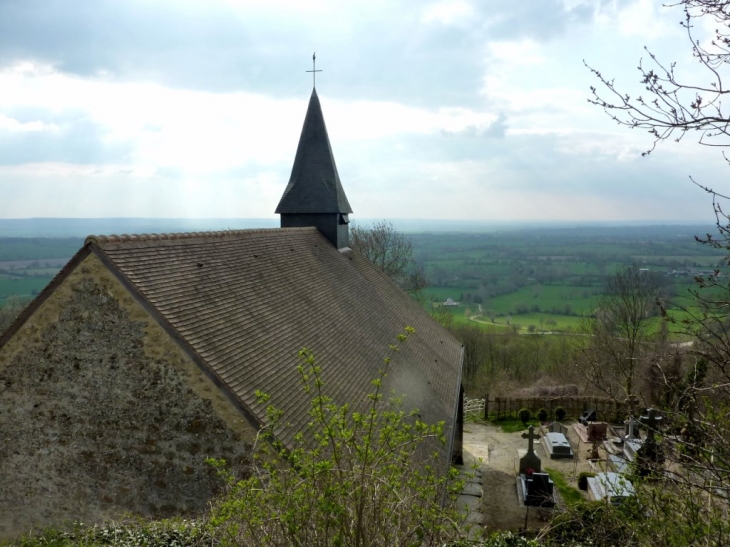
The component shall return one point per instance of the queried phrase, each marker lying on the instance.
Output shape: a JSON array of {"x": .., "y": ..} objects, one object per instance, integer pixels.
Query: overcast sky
[{"x": 452, "y": 109}]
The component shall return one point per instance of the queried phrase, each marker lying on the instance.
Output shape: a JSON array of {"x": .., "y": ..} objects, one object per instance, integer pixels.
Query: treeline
[{"x": 500, "y": 362}]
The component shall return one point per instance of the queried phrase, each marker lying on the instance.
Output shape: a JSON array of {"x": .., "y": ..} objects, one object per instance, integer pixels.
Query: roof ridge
[{"x": 124, "y": 238}]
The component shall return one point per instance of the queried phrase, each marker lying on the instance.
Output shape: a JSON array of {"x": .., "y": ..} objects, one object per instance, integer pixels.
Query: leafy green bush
[
  {"x": 559, "y": 413},
  {"x": 583, "y": 479},
  {"x": 595, "y": 523},
  {"x": 569, "y": 493},
  {"x": 369, "y": 478},
  {"x": 126, "y": 533},
  {"x": 542, "y": 415},
  {"x": 498, "y": 539},
  {"x": 524, "y": 415}
]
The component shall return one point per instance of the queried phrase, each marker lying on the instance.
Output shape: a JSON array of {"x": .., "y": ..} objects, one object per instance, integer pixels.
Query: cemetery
[{"x": 518, "y": 469}]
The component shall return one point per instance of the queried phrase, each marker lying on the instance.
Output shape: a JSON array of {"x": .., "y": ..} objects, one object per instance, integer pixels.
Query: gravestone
[
  {"x": 613, "y": 487},
  {"x": 557, "y": 427},
  {"x": 631, "y": 447},
  {"x": 530, "y": 460},
  {"x": 650, "y": 457},
  {"x": 557, "y": 446},
  {"x": 618, "y": 464},
  {"x": 632, "y": 430},
  {"x": 651, "y": 421},
  {"x": 597, "y": 432},
  {"x": 537, "y": 490},
  {"x": 588, "y": 416}
]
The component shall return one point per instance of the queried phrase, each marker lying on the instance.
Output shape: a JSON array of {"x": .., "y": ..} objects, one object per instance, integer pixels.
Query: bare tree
[
  {"x": 671, "y": 106},
  {"x": 391, "y": 252},
  {"x": 621, "y": 331},
  {"x": 696, "y": 493}
]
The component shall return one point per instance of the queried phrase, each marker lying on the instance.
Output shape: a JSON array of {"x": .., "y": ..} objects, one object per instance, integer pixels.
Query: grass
[
  {"x": 547, "y": 297},
  {"x": 513, "y": 425},
  {"x": 570, "y": 495}
]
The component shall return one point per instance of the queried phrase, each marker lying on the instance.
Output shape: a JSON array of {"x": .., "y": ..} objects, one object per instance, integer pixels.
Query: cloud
[
  {"x": 66, "y": 137},
  {"x": 494, "y": 130}
]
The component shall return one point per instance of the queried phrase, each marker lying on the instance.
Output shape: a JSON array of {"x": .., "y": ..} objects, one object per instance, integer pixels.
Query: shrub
[
  {"x": 524, "y": 415},
  {"x": 353, "y": 478},
  {"x": 126, "y": 533},
  {"x": 595, "y": 523},
  {"x": 583, "y": 479},
  {"x": 559, "y": 413},
  {"x": 497, "y": 539},
  {"x": 542, "y": 415}
]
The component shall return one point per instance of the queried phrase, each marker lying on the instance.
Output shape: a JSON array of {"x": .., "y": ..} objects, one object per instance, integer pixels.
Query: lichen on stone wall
[{"x": 94, "y": 425}]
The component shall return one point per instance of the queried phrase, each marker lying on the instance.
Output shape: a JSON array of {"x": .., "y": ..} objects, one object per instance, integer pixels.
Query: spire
[{"x": 314, "y": 186}]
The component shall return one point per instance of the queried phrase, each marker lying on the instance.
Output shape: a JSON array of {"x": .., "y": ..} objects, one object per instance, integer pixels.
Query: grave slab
[
  {"x": 537, "y": 490},
  {"x": 618, "y": 463},
  {"x": 631, "y": 447},
  {"x": 613, "y": 487},
  {"x": 582, "y": 432},
  {"x": 555, "y": 427},
  {"x": 557, "y": 446}
]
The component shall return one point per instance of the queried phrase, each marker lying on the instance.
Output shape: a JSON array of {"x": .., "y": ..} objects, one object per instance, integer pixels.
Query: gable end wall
[{"x": 102, "y": 413}]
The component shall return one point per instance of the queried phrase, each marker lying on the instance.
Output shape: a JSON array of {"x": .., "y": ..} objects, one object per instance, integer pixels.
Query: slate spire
[
  {"x": 314, "y": 185},
  {"x": 314, "y": 195}
]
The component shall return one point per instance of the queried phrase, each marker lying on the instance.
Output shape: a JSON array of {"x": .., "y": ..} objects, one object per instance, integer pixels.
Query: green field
[
  {"x": 23, "y": 287},
  {"x": 549, "y": 278},
  {"x": 546, "y": 278}
]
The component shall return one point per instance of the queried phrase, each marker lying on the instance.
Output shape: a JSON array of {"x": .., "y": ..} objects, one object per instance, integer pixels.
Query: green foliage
[
  {"x": 667, "y": 513},
  {"x": 559, "y": 413},
  {"x": 497, "y": 355},
  {"x": 594, "y": 523},
  {"x": 498, "y": 539},
  {"x": 542, "y": 415},
  {"x": 355, "y": 477},
  {"x": 524, "y": 415},
  {"x": 583, "y": 479},
  {"x": 569, "y": 494},
  {"x": 127, "y": 533}
]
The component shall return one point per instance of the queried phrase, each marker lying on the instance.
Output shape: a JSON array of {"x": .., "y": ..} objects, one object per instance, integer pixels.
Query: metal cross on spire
[{"x": 314, "y": 71}]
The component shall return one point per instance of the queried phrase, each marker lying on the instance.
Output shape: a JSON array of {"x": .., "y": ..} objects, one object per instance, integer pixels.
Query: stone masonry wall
[{"x": 102, "y": 414}]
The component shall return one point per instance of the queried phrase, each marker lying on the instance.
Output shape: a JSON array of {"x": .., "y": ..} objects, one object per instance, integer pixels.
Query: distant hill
[{"x": 82, "y": 227}]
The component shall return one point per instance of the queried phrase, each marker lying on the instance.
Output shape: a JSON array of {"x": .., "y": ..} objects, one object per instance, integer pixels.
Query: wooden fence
[{"x": 508, "y": 407}]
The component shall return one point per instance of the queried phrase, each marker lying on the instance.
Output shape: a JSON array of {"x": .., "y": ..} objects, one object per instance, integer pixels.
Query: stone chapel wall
[{"x": 101, "y": 413}]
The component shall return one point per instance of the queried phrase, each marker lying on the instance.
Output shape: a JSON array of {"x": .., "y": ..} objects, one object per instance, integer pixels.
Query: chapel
[{"x": 143, "y": 356}]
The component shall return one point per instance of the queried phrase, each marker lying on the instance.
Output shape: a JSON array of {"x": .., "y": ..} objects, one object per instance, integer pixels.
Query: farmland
[
  {"x": 546, "y": 280},
  {"x": 28, "y": 264},
  {"x": 538, "y": 279}
]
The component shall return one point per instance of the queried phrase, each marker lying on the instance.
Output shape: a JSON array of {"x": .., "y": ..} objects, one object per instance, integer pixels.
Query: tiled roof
[
  {"x": 247, "y": 301},
  {"x": 314, "y": 185}
]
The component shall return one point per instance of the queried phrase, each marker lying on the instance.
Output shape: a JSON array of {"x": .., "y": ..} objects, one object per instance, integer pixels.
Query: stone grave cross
[
  {"x": 651, "y": 421},
  {"x": 530, "y": 436},
  {"x": 530, "y": 460},
  {"x": 631, "y": 424}
]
